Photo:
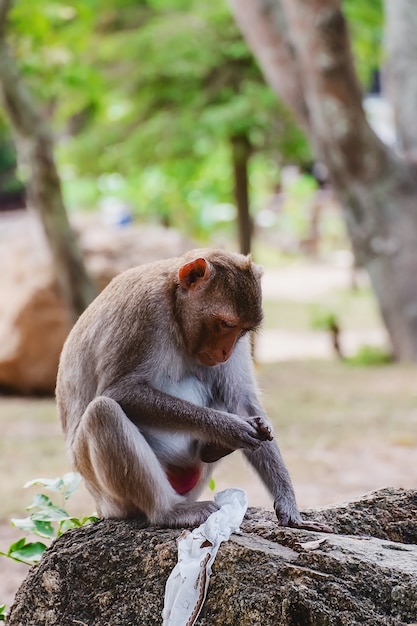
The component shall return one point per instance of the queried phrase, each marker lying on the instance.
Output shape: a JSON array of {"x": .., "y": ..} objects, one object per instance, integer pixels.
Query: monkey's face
[
  {"x": 220, "y": 302},
  {"x": 217, "y": 340}
]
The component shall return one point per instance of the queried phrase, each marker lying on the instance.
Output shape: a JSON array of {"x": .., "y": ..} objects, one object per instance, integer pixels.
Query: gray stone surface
[{"x": 114, "y": 572}]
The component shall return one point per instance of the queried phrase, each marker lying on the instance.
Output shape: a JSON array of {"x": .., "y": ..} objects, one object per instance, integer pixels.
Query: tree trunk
[
  {"x": 400, "y": 77},
  {"x": 376, "y": 188},
  {"x": 241, "y": 152},
  {"x": 35, "y": 151}
]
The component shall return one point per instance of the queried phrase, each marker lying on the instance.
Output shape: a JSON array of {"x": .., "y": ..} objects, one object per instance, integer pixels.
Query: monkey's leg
[{"x": 123, "y": 472}]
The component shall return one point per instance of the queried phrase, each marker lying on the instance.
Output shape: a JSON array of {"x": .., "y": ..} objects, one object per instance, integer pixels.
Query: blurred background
[{"x": 132, "y": 130}]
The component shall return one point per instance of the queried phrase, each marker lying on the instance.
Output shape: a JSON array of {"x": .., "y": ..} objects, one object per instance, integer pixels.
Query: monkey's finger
[
  {"x": 251, "y": 441},
  {"x": 264, "y": 429}
]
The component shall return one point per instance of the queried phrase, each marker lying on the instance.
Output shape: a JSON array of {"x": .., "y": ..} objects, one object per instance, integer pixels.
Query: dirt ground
[{"x": 343, "y": 431}]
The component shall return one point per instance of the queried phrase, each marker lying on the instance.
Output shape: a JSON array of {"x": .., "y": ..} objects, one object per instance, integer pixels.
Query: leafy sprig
[{"x": 46, "y": 520}]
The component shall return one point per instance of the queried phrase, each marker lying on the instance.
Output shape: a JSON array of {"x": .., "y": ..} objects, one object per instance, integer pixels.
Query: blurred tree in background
[
  {"x": 11, "y": 188},
  {"x": 156, "y": 104},
  {"x": 35, "y": 148},
  {"x": 161, "y": 106},
  {"x": 304, "y": 49}
]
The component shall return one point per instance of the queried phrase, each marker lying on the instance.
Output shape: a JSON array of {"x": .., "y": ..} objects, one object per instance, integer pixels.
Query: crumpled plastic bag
[{"x": 187, "y": 585}]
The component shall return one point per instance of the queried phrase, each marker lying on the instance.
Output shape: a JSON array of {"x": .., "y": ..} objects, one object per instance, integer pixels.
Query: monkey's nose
[{"x": 224, "y": 355}]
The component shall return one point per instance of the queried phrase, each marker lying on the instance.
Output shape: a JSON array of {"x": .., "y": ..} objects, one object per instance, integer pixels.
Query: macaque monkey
[{"x": 155, "y": 385}]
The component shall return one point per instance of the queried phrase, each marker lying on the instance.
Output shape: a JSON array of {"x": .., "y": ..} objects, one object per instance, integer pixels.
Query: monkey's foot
[{"x": 189, "y": 514}]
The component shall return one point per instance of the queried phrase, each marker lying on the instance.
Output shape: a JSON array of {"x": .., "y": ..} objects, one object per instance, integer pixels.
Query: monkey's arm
[
  {"x": 269, "y": 464},
  {"x": 146, "y": 406}
]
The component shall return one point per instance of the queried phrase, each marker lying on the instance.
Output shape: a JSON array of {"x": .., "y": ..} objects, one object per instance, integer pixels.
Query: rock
[
  {"x": 114, "y": 572},
  {"x": 33, "y": 323}
]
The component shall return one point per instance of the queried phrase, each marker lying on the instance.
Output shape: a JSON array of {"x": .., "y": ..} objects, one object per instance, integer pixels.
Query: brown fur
[{"x": 156, "y": 376}]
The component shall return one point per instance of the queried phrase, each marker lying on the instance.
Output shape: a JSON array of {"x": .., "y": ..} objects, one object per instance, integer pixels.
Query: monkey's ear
[
  {"x": 258, "y": 270},
  {"x": 194, "y": 273}
]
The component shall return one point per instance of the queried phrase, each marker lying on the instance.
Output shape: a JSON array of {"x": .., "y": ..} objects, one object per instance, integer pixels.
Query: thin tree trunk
[
  {"x": 35, "y": 152},
  {"x": 264, "y": 26},
  {"x": 378, "y": 191},
  {"x": 241, "y": 152}
]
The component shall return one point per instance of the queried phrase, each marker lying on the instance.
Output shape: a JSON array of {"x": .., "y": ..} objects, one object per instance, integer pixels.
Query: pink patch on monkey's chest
[{"x": 184, "y": 479}]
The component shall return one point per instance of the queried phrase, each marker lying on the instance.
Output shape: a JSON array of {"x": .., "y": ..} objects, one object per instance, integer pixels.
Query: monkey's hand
[
  {"x": 251, "y": 432},
  {"x": 294, "y": 520},
  {"x": 212, "y": 452},
  {"x": 263, "y": 427}
]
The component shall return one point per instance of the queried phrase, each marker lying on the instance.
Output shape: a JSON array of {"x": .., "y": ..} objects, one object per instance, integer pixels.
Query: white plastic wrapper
[{"x": 187, "y": 585}]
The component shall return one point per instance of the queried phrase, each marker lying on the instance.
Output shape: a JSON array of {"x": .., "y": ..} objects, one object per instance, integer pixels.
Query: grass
[
  {"x": 353, "y": 309},
  {"x": 32, "y": 446}
]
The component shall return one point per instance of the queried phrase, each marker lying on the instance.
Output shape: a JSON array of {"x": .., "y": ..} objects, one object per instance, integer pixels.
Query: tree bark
[
  {"x": 35, "y": 152},
  {"x": 265, "y": 28},
  {"x": 376, "y": 188},
  {"x": 400, "y": 77},
  {"x": 241, "y": 152}
]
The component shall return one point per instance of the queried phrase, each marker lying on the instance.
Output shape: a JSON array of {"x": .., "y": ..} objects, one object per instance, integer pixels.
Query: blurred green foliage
[
  {"x": 10, "y": 185},
  {"x": 145, "y": 95},
  {"x": 366, "y": 27},
  {"x": 369, "y": 356},
  {"x": 324, "y": 319}
]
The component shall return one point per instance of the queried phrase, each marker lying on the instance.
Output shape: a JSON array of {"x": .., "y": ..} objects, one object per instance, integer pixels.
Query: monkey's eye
[
  {"x": 226, "y": 324},
  {"x": 245, "y": 331}
]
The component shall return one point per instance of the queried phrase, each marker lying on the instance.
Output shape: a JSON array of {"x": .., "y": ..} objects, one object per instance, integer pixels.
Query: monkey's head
[{"x": 220, "y": 301}]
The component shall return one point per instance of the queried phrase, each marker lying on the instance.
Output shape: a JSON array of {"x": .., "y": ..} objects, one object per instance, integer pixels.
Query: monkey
[{"x": 156, "y": 385}]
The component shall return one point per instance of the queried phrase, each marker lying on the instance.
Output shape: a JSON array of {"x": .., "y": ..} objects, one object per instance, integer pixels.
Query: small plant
[
  {"x": 2, "y": 613},
  {"x": 370, "y": 355},
  {"x": 325, "y": 319},
  {"x": 47, "y": 520}
]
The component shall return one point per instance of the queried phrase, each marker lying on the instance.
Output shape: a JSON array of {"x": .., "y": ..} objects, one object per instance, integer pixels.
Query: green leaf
[
  {"x": 51, "y": 514},
  {"x": 40, "y": 500},
  {"x": 29, "y": 553},
  {"x": 89, "y": 519},
  {"x": 53, "y": 484},
  {"x": 76, "y": 522},
  {"x": 47, "y": 510},
  {"x": 68, "y": 524},
  {"x": 17, "y": 545},
  {"x": 34, "y": 526},
  {"x": 66, "y": 484},
  {"x": 24, "y": 552},
  {"x": 2, "y": 612},
  {"x": 212, "y": 484},
  {"x": 71, "y": 482}
]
